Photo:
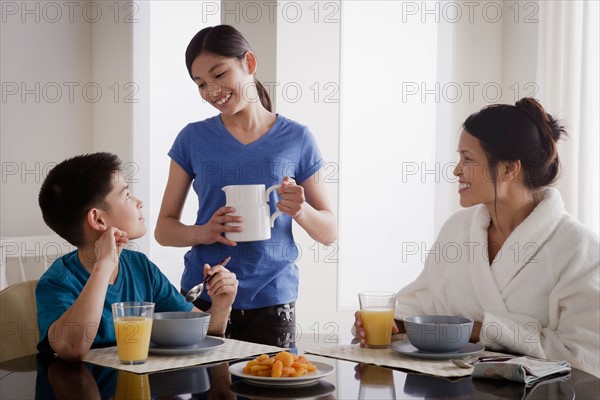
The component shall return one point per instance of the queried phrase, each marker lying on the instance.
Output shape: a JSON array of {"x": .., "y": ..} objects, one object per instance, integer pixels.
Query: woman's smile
[{"x": 462, "y": 186}]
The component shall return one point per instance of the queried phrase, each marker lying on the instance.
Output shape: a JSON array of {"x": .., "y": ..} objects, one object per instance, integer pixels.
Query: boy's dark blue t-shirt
[{"x": 138, "y": 280}]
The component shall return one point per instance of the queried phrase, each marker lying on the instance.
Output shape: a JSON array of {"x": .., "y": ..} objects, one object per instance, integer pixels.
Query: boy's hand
[
  {"x": 291, "y": 197},
  {"x": 110, "y": 244},
  {"x": 222, "y": 287}
]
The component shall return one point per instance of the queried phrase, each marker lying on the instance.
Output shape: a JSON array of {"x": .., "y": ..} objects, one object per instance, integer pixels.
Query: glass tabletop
[{"x": 43, "y": 377}]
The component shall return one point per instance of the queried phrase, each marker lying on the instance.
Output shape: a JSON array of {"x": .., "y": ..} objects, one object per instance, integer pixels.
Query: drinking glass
[
  {"x": 133, "y": 326},
  {"x": 377, "y": 313}
]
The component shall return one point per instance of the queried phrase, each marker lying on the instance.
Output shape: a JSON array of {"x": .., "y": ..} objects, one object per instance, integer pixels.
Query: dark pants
[{"x": 274, "y": 325}]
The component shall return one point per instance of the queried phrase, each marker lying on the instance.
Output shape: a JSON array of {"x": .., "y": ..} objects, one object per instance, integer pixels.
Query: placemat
[
  {"x": 231, "y": 350},
  {"x": 391, "y": 358}
]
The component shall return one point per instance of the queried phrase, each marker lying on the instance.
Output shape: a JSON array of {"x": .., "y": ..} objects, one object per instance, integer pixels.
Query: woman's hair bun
[
  {"x": 522, "y": 132},
  {"x": 549, "y": 127}
]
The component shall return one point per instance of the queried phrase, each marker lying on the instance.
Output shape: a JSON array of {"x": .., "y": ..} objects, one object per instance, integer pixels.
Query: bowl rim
[
  {"x": 411, "y": 320},
  {"x": 190, "y": 315}
]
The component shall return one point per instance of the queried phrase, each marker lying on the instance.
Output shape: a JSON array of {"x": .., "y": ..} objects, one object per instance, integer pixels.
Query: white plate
[
  {"x": 408, "y": 349},
  {"x": 206, "y": 345},
  {"x": 307, "y": 379}
]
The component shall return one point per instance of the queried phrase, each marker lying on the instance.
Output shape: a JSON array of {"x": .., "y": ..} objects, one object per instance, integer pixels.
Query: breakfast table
[{"x": 200, "y": 376}]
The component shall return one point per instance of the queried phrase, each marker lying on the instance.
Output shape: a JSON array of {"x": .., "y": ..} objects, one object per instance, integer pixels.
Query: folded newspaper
[{"x": 520, "y": 369}]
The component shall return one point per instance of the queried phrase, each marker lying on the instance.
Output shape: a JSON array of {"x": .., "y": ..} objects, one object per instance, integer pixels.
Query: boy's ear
[{"x": 96, "y": 221}]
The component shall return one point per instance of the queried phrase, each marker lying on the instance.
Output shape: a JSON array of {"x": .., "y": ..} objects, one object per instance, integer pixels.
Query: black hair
[
  {"x": 224, "y": 41},
  {"x": 523, "y": 132},
  {"x": 72, "y": 188}
]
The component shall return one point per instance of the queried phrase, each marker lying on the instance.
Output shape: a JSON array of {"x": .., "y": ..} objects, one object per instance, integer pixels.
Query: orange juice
[
  {"x": 132, "y": 386},
  {"x": 378, "y": 323},
  {"x": 133, "y": 338}
]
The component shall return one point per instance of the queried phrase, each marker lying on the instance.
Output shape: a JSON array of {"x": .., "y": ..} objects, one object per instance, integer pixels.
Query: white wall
[
  {"x": 41, "y": 121},
  {"x": 65, "y": 73},
  {"x": 174, "y": 102},
  {"x": 112, "y": 71},
  {"x": 387, "y": 171},
  {"x": 308, "y": 78}
]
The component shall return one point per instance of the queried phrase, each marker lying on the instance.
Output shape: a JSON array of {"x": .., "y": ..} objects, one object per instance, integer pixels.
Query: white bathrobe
[{"x": 541, "y": 294}]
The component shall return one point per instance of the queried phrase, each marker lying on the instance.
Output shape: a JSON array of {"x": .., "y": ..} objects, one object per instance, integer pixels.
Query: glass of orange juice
[
  {"x": 377, "y": 313},
  {"x": 133, "y": 326}
]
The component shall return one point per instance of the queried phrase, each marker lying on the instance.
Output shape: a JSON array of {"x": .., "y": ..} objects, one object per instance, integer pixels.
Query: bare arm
[
  {"x": 170, "y": 231},
  {"x": 72, "y": 335},
  {"x": 309, "y": 206}
]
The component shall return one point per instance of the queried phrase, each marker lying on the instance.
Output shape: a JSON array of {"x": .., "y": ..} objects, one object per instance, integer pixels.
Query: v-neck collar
[
  {"x": 530, "y": 235},
  {"x": 224, "y": 131}
]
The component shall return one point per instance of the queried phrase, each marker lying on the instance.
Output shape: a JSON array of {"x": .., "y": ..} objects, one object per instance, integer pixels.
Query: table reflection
[
  {"x": 50, "y": 378},
  {"x": 59, "y": 379},
  {"x": 375, "y": 382},
  {"x": 132, "y": 386}
]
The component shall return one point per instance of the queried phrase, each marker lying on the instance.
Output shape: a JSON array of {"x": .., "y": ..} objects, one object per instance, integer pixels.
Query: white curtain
[{"x": 567, "y": 76}]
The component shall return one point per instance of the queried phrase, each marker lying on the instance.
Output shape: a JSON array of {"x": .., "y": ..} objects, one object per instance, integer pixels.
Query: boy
[{"x": 87, "y": 202}]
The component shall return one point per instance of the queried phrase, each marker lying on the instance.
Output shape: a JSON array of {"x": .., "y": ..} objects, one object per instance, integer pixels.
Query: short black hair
[{"x": 72, "y": 188}]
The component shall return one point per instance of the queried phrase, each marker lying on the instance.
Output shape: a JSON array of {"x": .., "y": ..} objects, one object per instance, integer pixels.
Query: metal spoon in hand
[{"x": 196, "y": 291}]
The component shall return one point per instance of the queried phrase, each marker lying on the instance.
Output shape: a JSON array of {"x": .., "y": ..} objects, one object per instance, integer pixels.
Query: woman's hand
[
  {"x": 213, "y": 230},
  {"x": 291, "y": 197},
  {"x": 475, "y": 332},
  {"x": 361, "y": 333}
]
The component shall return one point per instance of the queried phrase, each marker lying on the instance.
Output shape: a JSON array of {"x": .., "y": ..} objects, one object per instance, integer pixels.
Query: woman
[
  {"x": 245, "y": 144},
  {"x": 514, "y": 260}
]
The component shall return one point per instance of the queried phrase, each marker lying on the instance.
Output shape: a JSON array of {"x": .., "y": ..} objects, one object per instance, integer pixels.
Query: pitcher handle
[
  {"x": 270, "y": 189},
  {"x": 276, "y": 213},
  {"x": 274, "y": 217}
]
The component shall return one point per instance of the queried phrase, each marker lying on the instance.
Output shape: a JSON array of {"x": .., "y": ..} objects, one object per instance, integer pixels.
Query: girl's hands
[
  {"x": 214, "y": 228},
  {"x": 291, "y": 197},
  {"x": 222, "y": 287}
]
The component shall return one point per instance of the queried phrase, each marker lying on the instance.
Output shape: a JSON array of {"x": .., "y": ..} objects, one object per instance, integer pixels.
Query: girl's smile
[{"x": 226, "y": 83}]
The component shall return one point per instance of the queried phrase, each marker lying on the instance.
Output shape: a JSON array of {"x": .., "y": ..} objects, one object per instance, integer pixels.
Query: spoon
[
  {"x": 196, "y": 291},
  {"x": 463, "y": 364}
]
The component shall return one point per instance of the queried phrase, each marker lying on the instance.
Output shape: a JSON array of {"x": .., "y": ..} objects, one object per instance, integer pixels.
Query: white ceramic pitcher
[{"x": 250, "y": 202}]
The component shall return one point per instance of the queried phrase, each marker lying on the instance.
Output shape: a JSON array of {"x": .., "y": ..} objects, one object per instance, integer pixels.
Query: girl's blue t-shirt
[
  {"x": 138, "y": 280},
  {"x": 208, "y": 153}
]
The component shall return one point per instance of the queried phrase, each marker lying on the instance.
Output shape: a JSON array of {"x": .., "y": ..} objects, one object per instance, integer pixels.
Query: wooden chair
[{"x": 18, "y": 321}]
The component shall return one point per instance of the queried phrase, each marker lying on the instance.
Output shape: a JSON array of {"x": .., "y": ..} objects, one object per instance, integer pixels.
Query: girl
[
  {"x": 522, "y": 268},
  {"x": 245, "y": 144}
]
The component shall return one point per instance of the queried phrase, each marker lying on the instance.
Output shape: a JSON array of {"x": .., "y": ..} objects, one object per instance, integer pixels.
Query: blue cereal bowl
[{"x": 438, "y": 333}]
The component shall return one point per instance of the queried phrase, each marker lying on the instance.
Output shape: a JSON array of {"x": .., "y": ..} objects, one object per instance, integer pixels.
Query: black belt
[
  {"x": 276, "y": 309},
  {"x": 235, "y": 312}
]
